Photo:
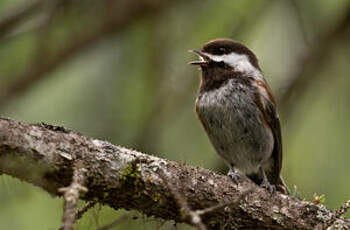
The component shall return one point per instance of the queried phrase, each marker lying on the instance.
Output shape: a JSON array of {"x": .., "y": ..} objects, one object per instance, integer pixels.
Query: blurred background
[{"x": 117, "y": 71}]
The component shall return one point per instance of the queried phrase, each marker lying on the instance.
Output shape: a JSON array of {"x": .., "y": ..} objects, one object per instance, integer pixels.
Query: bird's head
[{"x": 227, "y": 55}]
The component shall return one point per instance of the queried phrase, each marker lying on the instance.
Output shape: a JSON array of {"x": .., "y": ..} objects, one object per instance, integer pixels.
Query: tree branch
[
  {"x": 311, "y": 64},
  {"x": 46, "y": 155},
  {"x": 122, "y": 14}
]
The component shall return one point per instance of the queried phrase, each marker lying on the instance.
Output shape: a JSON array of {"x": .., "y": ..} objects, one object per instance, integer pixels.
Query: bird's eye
[{"x": 222, "y": 50}]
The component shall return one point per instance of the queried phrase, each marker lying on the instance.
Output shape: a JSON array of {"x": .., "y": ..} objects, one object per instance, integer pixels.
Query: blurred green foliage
[{"x": 134, "y": 88}]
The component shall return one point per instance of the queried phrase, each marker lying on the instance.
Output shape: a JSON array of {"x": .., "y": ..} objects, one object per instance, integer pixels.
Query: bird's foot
[
  {"x": 266, "y": 183},
  {"x": 268, "y": 186},
  {"x": 234, "y": 175}
]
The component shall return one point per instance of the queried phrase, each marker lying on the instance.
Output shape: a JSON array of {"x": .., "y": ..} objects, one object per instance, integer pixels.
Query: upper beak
[{"x": 203, "y": 58}]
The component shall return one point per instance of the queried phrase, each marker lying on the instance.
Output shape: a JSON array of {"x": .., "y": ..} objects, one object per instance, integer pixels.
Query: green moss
[
  {"x": 130, "y": 174},
  {"x": 157, "y": 198},
  {"x": 131, "y": 177}
]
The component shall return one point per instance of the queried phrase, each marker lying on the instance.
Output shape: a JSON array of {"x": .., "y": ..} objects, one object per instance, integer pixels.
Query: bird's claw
[
  {"x": 234, "y": 176},
  {"x": 269, "y": 187}
]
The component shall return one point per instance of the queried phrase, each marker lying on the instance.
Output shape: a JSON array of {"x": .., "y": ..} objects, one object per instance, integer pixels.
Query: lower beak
[{"x": 203, "y": 58}]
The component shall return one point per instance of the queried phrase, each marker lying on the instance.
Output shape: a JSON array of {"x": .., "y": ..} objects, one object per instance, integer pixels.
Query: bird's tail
[{"x": 282, "y": 187}]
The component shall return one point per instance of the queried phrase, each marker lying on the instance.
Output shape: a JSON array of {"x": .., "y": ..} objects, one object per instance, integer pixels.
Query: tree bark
[{"x": 46, "y": 156}]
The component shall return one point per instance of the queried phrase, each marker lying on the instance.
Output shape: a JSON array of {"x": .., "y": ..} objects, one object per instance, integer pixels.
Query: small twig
[
  {"x": 71, "y": 196},
  {"x": 18, "y": 15},
  {"x": 79, "y": 214},
  {"x": 42, "y": 20},
  {"x": 113, "y": 223},
  {"x": 185, "y": 211},
  {"x": 343, "y": 209},
  {"x": 223, "y": 205}
]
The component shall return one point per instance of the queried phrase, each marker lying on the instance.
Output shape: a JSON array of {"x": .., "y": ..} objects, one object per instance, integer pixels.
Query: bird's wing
[
  {"x": 267, "y": 107},
  {"x": 273, "y": 120}
]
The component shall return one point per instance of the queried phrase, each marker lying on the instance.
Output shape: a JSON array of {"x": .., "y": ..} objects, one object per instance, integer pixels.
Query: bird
[{"x": 237, "y": 109}]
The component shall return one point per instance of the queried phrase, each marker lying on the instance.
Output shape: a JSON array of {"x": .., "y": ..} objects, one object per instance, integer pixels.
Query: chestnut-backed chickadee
[{"x": 238, "y": 112}]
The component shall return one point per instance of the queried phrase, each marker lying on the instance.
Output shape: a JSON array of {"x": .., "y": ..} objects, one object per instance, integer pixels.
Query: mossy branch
[{"x": 46, "y": 156}]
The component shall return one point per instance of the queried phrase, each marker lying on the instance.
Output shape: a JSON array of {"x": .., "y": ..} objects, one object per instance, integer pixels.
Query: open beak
[{"x": 203, "y": 58}]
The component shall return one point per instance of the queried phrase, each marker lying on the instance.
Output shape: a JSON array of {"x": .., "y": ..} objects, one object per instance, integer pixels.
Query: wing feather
[{"x": 266, "y": 104}]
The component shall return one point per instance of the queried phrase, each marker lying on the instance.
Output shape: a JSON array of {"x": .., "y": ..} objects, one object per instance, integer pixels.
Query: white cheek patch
[{"x": 240, "y": 62}]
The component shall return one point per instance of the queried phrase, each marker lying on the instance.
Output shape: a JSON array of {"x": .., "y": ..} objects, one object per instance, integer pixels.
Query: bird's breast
[{"x": 233, "y": 123}]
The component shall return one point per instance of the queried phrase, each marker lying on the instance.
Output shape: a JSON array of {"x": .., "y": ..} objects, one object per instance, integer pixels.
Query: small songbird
[{"x": 238, "y": 112}]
